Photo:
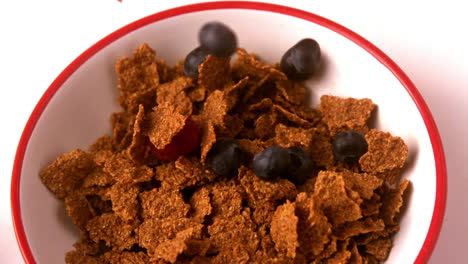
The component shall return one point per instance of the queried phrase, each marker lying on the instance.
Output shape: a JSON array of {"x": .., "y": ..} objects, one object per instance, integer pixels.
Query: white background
[{"x": 427, "y": 39}]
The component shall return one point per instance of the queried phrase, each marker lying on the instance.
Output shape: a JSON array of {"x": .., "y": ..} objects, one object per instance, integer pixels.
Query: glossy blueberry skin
[
  {"x": 217, "y": 39},
  {"x": 193, "y": 60},
  {"x": 349, "y": 146},
  {"x": 301, "y": 166},
  {"x": 271, "y": 163},
  {"x": 302, "y": 60},
  {"x": 225, "y": 157}
]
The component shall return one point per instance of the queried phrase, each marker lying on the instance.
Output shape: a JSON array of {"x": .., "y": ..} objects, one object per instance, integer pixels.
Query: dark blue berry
[
  {"x": 193, "y": 60},
  {"x": 301, "y": 166},
  {"x": 302, "y": 60},
  {"x": 217, "y": 39},
  {"x": 349, "y": 146},
  {"x": 272, "y": 162},
  {"x": 225, "y": 157}
]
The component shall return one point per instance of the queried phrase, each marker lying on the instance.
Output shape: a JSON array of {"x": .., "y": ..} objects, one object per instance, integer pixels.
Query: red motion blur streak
[{"x": 441, "y": 173}]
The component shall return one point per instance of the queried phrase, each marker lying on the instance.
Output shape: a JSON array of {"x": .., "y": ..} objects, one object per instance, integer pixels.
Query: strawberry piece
[{"x": 185, "y": 142}]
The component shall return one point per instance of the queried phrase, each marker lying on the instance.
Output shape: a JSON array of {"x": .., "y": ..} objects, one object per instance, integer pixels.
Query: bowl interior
[{"x": 78, "y": 113}]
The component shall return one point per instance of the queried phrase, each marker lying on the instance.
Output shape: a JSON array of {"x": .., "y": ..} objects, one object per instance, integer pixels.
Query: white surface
[{"x": 427, "y": 39}]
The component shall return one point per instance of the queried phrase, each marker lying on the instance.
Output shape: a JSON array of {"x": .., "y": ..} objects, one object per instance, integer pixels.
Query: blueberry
[
  {"x": 349, "y": 146},
  {"x": 193, "y": 60},
  {"x": 217, "y": 39},
  {"x": 301, "y": 165},
  {"x": 272, "y": 162},
  {"x": 302, "y": 60},
  {"x": 225, "y": 157}
]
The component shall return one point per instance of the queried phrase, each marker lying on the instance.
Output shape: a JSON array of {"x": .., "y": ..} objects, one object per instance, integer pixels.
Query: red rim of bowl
[{"x": 441, "y": 174}]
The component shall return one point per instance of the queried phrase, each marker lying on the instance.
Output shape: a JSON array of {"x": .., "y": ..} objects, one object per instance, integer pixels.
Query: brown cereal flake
[
  {"x": 197, "y": 247},
  {"x": 356, "y": 257},
  {"x": 237, "y": 230},
  {"x": 226, "y": 200},
  {"x": 291, "y": 117},
  {"x": 138, "y": 73},
  {"x": 392, "y": 176},
  {"x": 293, "y": 136},
  {"x": 67, "y": 172},
  {"x": 263, "y": 212},
  {"x": 76, "y": 257},
  {"x": 248, "y": 65},
  {"x": 309, "y": 185},
  {"x": 159, "y": 203},
  {"x": 88, "y": 247},
  {"x": 364, "y": 184},
  {"x": 233, "y": 92},
  {"x": 328, "y": 250},
  {"x": 200, "y": 260},
  {"x": 164, "y": 122},
  {"x": 313, "y": 227},
  {"x": 330, "y": 194},
  {"x": 125, "y": 171},
  {"x": 192, "y": 167},
  {"x": 252, "y": 88},
  {"x": 363, "y": 226},
  {"x": 371, "y": 206},
  {"x": 175, "y": 71},
  {"x": 364, "y": 239},
  {"x": 369, "y": 259},
  {"x": 262, "y": 106},
  {"x": 124, "y": 198},
  {"x": 170, "y": 177},
  {"x": 293, "y": 92},
  {"x": 321, "y": 150},
  {"x": 197, "y": 94},
  {"x": 195, "y": 172},
  {"x": 392, "y": 200},
  {"x": 174, "y": 93},
  {"x": 214, "y": 72},
  {"x": 139, "y": 150},
  {"x": 379, "y": 248},
  {"x": 233, "y": 125},
  {"x": 171, "y": 249},
  {"x": 284, "y": 229},
  {"x": 113, "y": 230},
  {"x": 265, "y": 125},
  {"x": 98, "y": 177},
  {"x": 79, "y": 210},
  {"x": 342, "y": 114},
  {"x": 100, "y": 157},
  {"x": 122, "y": 127},
  {"x": 100, "y": 203},
  {"x": 342, "y": 255},
  {"x": 147, "y": 98},
  {"x": 208, "y": 138},
  {"x": 385, "y": 152},
  {"x": 165, "y": 72},
  {"x": 152, "y": 232},
  {"x": 252, "y": 147},
  {"x": 126, "y": 257},
  {"x": 238, "y": 253},
  {"x": 259, "y": 190},
  {"x": 200, "y": 204},
  {"x": 215, "y": 108}
]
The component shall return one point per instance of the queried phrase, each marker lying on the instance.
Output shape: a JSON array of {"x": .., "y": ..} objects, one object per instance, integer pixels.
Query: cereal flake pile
[{"x": 133, "y": 207}]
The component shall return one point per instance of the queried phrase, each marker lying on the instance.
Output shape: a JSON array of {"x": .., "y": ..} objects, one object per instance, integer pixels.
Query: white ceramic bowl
[{"x": 74, "y": 112}]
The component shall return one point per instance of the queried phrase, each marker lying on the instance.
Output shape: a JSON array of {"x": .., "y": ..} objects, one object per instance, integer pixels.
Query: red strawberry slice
[{"x": 185, "y": 142}]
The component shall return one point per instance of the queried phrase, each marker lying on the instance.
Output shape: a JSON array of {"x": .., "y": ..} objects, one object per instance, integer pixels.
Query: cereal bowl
[{"x": 74, "y": 112}]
